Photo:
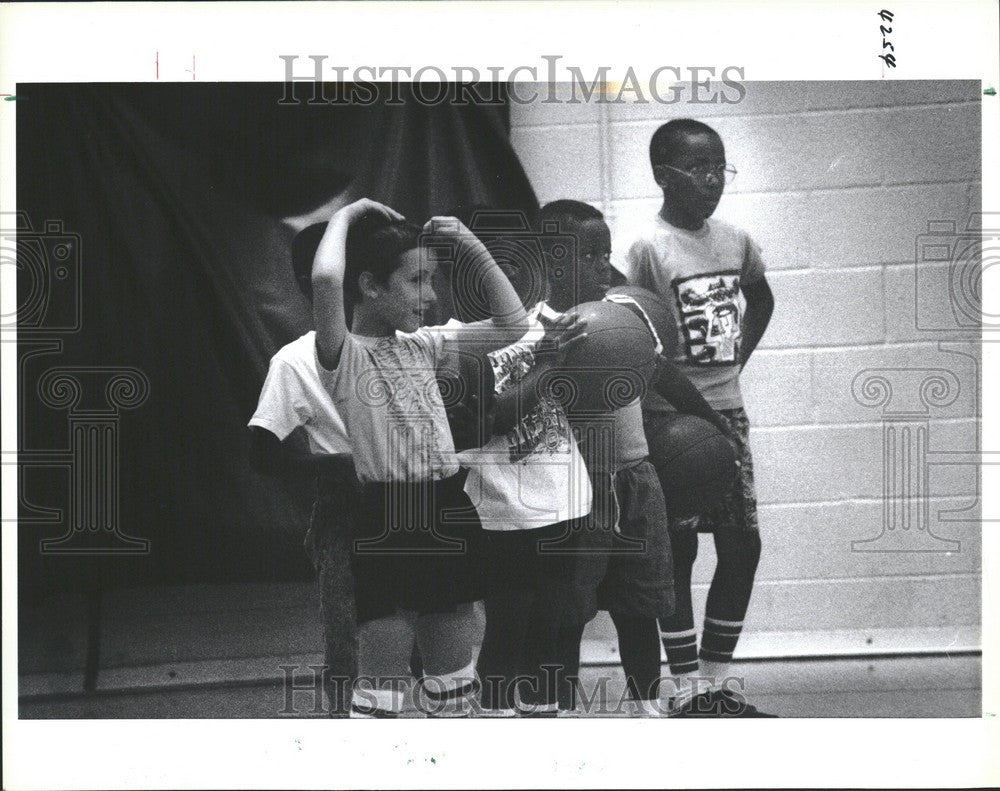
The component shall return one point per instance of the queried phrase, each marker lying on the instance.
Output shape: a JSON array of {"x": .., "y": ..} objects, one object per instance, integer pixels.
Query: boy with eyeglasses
[{"x": 713, "y": 275}]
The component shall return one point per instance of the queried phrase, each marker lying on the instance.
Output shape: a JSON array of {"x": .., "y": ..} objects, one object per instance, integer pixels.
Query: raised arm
[
  {"x": 328, "y": 273},
  {"x": 474, "y": 265}
]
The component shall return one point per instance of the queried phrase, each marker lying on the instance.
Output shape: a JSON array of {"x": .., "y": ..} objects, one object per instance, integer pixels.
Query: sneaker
[
  {"x": 719, "y": 703},
  {"x": 705, "y": 704},
  {"x": 736, "y": 706}
]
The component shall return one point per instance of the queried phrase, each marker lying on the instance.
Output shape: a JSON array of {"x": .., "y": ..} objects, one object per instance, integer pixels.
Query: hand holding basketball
[{"x": 562, "y": 335}]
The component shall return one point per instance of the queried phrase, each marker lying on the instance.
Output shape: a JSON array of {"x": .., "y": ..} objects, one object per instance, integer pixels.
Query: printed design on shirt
[
  {"x": 710, "y": 317},
  {"x": 400, "y": 381},
  {"x": 542, "y": 430},
  {"x": 511, "y": 364}
]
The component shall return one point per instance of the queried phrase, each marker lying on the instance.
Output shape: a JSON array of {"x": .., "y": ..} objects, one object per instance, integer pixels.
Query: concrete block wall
[{"x": 837, "y": 183}]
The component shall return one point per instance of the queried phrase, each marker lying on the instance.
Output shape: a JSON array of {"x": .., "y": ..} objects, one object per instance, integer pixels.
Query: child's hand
[
  {"x": 446, "y": 226},
  {"x": 354, "y": 211},
  {"x": 471, "y": 424},
  {"x": 452, "y": 228},
  {"x": 562, "y": 335}
]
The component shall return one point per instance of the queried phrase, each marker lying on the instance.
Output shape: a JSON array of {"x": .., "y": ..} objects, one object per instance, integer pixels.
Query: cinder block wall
[{"x": 837, "y": 182}]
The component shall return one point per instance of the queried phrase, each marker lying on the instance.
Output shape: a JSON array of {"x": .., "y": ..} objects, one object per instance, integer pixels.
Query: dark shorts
[
  {"x": 626, "y": 568},
  {"x": 417, "y": 546},
  {"x": 524, "y": 559},
  {"x": 738, "y": 511}
]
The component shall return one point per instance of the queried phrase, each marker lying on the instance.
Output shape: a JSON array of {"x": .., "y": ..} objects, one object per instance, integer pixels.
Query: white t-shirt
[
  {"x": 386, "y": 389},
  {"x": 533, "y": 475},
  {"x": 701, "y": 273},
  {"x": 293, "y": 396}
]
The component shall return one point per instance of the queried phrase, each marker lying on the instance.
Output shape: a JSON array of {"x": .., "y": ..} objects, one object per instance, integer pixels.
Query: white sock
[
  {"x": 449, "y": 694},
  {"x": 376, "y": 703}
]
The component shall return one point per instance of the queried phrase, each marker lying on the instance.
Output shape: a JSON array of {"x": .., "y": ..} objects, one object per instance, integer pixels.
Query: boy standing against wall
[{"x": 714, "y": 276}]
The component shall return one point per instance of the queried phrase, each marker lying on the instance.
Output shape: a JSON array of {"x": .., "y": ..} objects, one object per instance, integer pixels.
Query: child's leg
[
  {"x": 728, "y": 598},
  {"x": 737, "y": 545},
  {"x": 336, "y": 603},
  {"x": 329, "y": 544},
  {"x": 384, "y": 647},
  {"x": 639, "y": 647},
  {"x": 678, "y": 633},
  {"x": 501, "y": 660},
  {"x": 447, "y": 643},
  {"x": 555, "y": 672},
  {"x": 639, "y": 586}
]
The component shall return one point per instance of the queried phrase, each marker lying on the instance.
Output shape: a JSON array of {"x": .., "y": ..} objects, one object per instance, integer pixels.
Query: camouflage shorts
[{"x": 739, "y": 510}]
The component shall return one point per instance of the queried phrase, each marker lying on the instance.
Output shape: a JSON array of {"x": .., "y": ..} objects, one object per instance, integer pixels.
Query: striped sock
[
  {"x": 498, "y": 714},
  {"x": 682, "y": 651},
  {"x": 449, "y": 695},
  {"x": 719, "y": 639},
  {"x": 682, "y": 656},
  {"x": 376, "y": 704},
  {"x": 540, "y": 710}
]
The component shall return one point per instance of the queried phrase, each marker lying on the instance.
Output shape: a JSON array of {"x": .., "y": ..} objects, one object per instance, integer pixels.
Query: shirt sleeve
[
  {"x": 283, "y": 405},
  {"x": 753, "y": 262},
  {"x": 638, "y": 265}
]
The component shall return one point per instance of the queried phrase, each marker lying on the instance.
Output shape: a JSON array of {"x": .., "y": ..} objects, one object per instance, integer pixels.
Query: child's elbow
[{"x": 325, "y": 280}]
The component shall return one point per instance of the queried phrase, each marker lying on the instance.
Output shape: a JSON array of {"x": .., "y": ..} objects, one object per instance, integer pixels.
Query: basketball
[
  {"x": 659, "y": 312},
  {"x": 466, "y": 383},
  {"x": 612, "y": 367},
  {"x": 695, "y": 462}
]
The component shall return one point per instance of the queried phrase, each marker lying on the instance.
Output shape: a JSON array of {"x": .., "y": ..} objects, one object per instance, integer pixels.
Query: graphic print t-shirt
[
  {"x": 387, "y": 391},
  {"x": 701, "y": 273},
  {"x": 533, "y": 475}
]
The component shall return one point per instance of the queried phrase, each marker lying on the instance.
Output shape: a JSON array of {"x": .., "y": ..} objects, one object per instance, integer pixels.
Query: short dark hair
[
  {"x": 565, "y": 213},
  {"x": 667, "y": 138},
  {"x": 374, "y": 244}
]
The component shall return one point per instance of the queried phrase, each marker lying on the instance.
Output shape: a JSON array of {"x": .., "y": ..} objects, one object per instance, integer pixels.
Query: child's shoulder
[
  {"x": 298, "y": 351},
  {"x": 719, "y": 227}
]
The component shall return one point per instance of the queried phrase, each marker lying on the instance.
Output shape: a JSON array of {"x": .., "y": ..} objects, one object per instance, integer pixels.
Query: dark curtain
[{"x": 174, "y": 200}]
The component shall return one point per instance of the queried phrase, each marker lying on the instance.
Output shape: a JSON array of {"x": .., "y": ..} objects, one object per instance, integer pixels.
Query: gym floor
[
  {"x": 881, "y": 687},
  {"x": 218, "y": 652}
]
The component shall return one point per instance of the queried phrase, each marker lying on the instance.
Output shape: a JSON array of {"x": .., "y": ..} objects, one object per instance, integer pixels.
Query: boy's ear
[
  {"x": 660, "y": 173},
  {"x": 368, "y": 285}
]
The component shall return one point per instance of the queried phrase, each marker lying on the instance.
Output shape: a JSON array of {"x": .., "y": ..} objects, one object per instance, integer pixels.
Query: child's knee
[{"x": 448, "y": 640}]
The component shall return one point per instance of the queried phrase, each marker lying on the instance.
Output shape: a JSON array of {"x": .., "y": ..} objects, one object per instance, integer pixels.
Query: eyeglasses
[
  {"x": 724, "y": 173},
  {"x": 593, "y": 258}
]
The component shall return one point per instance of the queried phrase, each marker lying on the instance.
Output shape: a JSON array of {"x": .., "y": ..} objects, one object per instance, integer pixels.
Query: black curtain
[{"x": 164, "y": 208}]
